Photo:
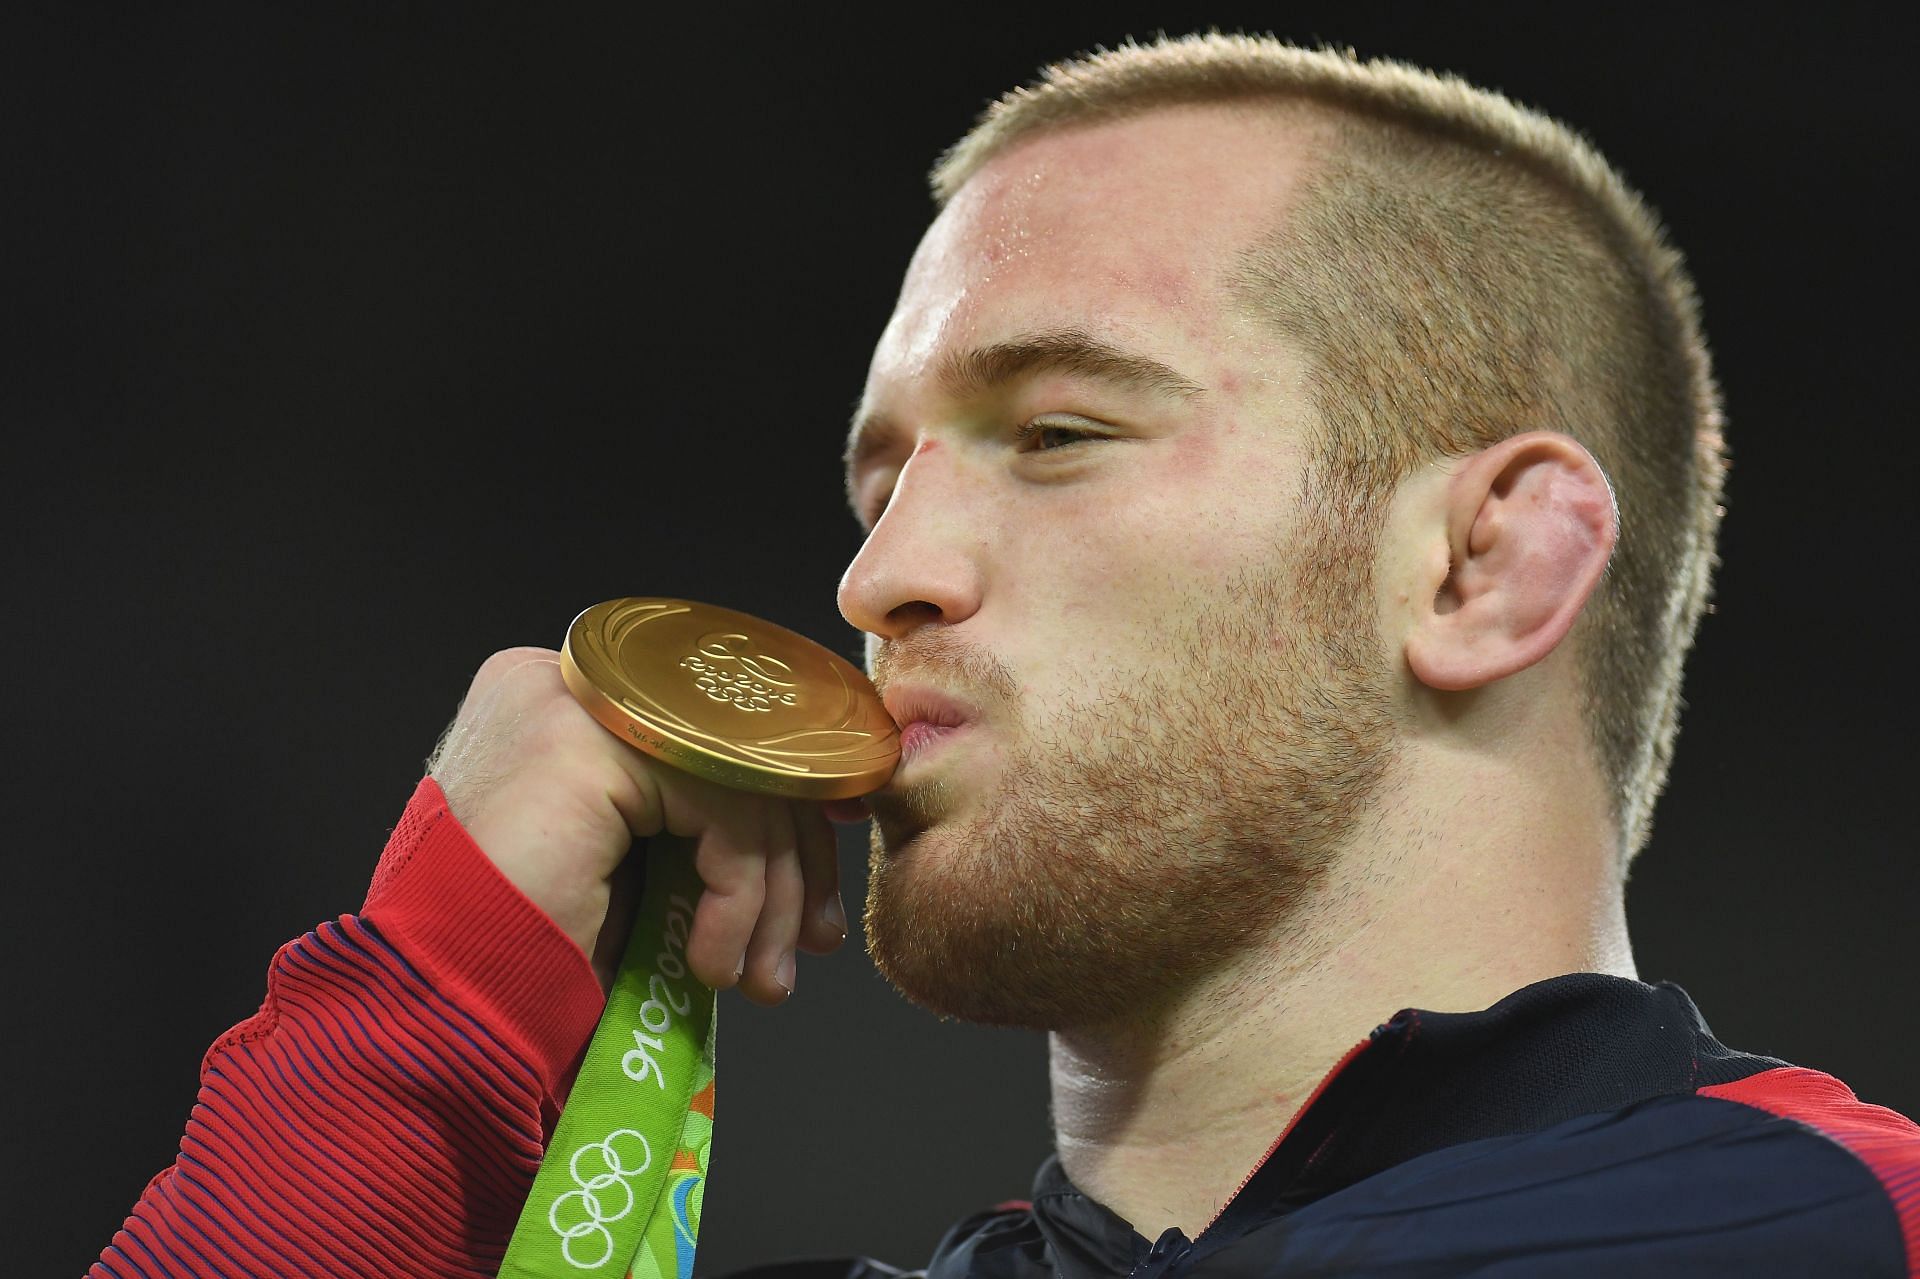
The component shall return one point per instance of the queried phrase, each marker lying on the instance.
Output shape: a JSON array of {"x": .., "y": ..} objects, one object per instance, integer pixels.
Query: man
[{"x": 1291, "y": 487}]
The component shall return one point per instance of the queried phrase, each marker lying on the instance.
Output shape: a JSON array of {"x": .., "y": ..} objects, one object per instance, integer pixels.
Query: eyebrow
[{"x": 971, "y": 374}]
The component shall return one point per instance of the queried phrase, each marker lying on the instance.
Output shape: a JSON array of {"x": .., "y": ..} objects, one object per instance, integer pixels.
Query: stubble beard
[{"x": 1146, "y": 836}]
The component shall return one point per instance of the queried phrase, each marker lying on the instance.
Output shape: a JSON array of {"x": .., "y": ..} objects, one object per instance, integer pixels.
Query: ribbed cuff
[{"x": 441, "y": 901}]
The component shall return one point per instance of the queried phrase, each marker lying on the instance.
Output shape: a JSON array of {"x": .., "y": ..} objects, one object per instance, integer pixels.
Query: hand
[{"x": 555, "y": 800}]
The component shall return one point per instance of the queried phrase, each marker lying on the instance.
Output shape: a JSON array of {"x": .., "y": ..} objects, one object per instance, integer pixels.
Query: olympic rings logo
[{"x": 611, "y": 1174}]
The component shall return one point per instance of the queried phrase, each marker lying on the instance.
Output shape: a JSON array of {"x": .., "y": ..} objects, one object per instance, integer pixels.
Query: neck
[{"x": 1163, "y": 1122}]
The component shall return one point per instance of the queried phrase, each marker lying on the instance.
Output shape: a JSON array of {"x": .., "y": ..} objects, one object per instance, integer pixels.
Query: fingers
[
  {"x": 770, "y": 870},
  {"x": 771, "y": 963},
  {"x": 732, "y": 863},
  {"x": 823, "y": 919},
  {"x": 555, "y": 801},
  {"x": 624, "y": 888}
]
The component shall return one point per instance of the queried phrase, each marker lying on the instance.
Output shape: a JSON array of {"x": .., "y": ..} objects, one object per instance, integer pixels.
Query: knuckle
[
  {"x": 783, "y": 872},
  {"x": 507, "y": 661},
  {"x": 731, "y": 878}
]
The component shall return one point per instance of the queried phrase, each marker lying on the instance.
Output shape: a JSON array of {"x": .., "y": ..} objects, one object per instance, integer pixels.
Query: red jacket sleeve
[{"x": 384, "y": 1112}]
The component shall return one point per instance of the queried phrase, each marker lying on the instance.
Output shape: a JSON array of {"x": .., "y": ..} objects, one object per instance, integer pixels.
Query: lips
[
  {"x": 912, "y": 705},
  {"x": 919, "y": 736},
  {"x": 925, "y": 717}
]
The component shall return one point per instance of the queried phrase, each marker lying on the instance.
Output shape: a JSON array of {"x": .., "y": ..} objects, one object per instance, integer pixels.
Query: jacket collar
[{"x": 1570, "y": 1045}]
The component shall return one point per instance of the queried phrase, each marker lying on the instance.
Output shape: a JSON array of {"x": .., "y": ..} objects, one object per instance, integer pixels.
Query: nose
[{"x": 922, "y": 561}]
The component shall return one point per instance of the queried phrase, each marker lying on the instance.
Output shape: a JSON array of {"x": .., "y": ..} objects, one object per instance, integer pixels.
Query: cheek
[
  {"x": 1213, "y": 511},
  {"x": 1105, "y": 603},
  {"x": 1108, "y": 564}
]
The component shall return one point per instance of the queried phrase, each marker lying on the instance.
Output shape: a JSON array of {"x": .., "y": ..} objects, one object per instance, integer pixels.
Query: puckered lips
[{"x": 926, "y": 718}]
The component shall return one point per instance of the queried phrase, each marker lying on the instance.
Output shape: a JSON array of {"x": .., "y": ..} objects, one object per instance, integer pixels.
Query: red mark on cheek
[{"x": 1193, "y": 455}]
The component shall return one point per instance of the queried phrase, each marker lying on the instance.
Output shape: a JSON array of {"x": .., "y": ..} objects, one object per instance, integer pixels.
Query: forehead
[{"x": 1127, "y": 229}]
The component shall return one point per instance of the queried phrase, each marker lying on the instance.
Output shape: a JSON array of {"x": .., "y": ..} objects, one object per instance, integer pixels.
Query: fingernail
[
  {"x": 740, "y": 968},
  {"x": 836, "y": 914},
  {"x": 784, "y": 973}
]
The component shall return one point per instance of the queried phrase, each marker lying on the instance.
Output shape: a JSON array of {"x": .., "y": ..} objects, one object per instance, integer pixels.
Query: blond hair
[{"x": 1460, "y": 269}]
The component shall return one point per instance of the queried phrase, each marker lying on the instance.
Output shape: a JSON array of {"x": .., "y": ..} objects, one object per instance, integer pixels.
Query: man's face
[{"x": 1083, "y": 471}]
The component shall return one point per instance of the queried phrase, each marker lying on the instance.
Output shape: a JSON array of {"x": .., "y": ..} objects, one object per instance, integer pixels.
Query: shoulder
[
  {"x": 1789, "y": 1175},
  {"x": 1884, "y": 1142}
]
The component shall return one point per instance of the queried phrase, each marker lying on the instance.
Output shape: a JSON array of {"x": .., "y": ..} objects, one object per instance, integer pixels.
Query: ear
[{"x": 1528, "y": 526}]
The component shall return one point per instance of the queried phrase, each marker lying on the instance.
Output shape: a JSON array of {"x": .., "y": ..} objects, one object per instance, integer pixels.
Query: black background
[{"x": 342, "y": 349}]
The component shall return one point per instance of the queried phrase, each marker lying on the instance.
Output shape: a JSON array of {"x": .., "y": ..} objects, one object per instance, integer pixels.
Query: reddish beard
[{"x": 1147, "y": 834}]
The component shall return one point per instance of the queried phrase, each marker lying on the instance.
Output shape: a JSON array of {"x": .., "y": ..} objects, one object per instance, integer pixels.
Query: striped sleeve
[{"x": 384, "y": 1112}]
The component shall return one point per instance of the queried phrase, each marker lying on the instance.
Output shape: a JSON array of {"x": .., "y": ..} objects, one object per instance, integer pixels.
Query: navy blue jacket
[{"x": 1586, "y": 1125}]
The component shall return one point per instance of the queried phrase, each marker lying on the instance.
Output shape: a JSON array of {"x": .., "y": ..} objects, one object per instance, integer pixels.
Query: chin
[
  {"x": 971, "y": 923},
  {"x": 902, "y": 814}
]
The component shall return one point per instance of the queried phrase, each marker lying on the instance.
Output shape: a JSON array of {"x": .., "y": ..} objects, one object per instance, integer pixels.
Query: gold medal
[{"x": 731, "y": 698}]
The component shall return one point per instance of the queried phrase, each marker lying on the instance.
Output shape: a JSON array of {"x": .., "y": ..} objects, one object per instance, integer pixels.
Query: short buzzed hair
[{"x": 1460, "y": 269}]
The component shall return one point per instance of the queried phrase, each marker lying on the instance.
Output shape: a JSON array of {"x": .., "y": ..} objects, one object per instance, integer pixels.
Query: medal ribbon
[{"x": 620, "y": 1189}]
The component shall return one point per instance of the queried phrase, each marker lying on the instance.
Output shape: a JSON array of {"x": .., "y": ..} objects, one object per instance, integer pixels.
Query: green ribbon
[{"x": 620, "y": 1189}]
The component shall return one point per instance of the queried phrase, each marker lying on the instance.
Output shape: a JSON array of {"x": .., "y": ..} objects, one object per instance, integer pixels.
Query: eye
[{"x": 1043, "y": 436}]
